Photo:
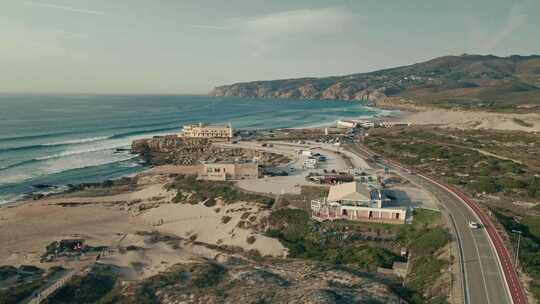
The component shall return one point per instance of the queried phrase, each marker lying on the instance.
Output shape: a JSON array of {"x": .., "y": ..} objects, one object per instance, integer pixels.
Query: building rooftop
[
  {"x": 224, "y": 162},
  {"x": 209, "y": 125},
  {"x": 353, "y": 191}
]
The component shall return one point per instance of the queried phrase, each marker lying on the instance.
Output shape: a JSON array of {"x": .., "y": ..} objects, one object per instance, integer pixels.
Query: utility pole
[{"x": 518, "y": 232}]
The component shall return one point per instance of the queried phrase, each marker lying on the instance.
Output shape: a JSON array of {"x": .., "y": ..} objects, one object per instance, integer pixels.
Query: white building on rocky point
[
  {"x": 356, "y": 201},
  {"x": 202, "y": 130}
]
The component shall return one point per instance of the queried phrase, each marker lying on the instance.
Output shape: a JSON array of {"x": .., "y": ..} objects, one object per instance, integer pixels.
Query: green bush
[
  {"x": 88, "y": 289},
  {"x": 19, "y": 292},
  {"x": 529, "y": 256},
  {"x": 428, "y": 242},
  {"x": 425, "y": 270},
  {"x": 533, "y": 187},
  {"x": 206, "y": 190},
  {"x": 310, "y": 240},
  {"x": 211, "y": 202}
]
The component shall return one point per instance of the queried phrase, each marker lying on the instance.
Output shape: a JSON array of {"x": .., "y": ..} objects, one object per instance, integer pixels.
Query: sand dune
[{"x": 475, "y": 120}]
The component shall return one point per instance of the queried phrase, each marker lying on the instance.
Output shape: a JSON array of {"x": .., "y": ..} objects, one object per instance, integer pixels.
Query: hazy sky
[{"x": 180, "y": 46}]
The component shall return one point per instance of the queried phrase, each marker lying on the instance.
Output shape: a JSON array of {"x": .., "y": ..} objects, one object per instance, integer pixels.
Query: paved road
[{"x": 481, "y": 274}]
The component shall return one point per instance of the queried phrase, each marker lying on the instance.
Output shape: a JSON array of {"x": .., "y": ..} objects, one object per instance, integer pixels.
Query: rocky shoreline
[{"x": 174, "y": 150}]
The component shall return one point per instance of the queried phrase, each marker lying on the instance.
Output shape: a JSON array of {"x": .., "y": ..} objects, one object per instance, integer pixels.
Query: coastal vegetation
[
  {"x": 483, "y": 163},
  {"x": 93, "y": 287},
  {"x": 17, "y": 284},
  {"x": 368, "y": 246},
  {"x": 191, "y": 190},
  {"x": 529, "y": 251},
  {"x": 499, "y": 169},
  {"x": 206, "y": 281}
]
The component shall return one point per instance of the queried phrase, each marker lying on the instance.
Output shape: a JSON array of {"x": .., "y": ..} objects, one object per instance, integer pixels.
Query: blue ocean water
[{"x": 68, "y": 139}]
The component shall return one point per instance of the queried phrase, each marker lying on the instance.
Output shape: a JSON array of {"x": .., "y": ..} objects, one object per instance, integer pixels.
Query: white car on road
[{"x": 474, "y": 225}]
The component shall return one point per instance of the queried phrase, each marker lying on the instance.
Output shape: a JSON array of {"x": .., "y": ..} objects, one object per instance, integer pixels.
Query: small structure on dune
[
  {"x": 229, "y": 170},
  {"x": 356, "y": 201}
]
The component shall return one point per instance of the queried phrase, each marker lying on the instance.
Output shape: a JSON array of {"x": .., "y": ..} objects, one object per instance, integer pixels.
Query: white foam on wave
[
  {"x": 14, "y": 178},
  {"x": 83, "y": 155},
  {"x": 76, "y": 141},
  {"x": 79, "y": 151},
  {"x": 331, "y": 119},
  {"x": 78, "y": 161},
  {"x": 53, "y": 190},
  {"x": 6, "y": 199}
]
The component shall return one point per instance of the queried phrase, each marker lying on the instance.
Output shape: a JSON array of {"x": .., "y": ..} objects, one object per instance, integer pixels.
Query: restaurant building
[{"x": 358, "y": 202}]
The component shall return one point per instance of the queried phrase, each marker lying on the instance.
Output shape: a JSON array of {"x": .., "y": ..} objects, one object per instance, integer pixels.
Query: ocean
[{"x": 70, "y": 139}]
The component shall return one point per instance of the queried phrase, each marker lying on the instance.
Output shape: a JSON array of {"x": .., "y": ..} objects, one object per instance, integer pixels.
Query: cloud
[
  {"x": 484, "y": 42},
  {"x": 269, "y": 30},
  {"x": 516, "y": 18},
  {"x": 65, "y": 8},
  {"x": 306, "y": 21},
  {"x": 209, "y": 27}
]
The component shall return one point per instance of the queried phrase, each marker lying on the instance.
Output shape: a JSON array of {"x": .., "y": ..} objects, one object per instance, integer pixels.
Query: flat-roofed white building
[
  {"x": 223, "y": 171},
  {"x": 356, "y": 201},
  {"x": 203, "y": 130},
  {"x": 391, "y": 124}
]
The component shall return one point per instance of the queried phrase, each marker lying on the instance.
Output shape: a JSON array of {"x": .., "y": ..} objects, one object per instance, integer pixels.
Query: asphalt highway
[{"x": 486, "y": 274}]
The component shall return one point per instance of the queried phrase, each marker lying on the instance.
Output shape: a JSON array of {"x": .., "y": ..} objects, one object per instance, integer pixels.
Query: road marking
[
  {"x": 475, "y": 245},
  {"x": 477, "y": 252},
  {"x": 463, "y": 263}
]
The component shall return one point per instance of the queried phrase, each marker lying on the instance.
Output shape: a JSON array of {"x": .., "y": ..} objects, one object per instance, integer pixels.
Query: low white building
[
  {"x": 367, "y": 124},
  {"x": 223, "y": 171},
  {"x": 310, "y": 163},
  {"x": 356, "y": 201},
  {"x": 392, "y": 124},
  {"x": 307, "y": 153},
  {"x": 346, "y": 124}
]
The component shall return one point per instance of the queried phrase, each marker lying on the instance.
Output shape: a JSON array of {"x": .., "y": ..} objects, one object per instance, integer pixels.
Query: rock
[{"x": 191, "y": 151}]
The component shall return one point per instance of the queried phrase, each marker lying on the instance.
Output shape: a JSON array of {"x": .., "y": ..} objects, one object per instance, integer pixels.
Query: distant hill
[{"x": 470, "y": 81}]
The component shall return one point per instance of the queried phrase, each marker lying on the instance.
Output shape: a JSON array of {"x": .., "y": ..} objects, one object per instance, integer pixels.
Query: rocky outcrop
[
  {"x": 174, "y": 150},
  {"x": 337, "y": 91}
]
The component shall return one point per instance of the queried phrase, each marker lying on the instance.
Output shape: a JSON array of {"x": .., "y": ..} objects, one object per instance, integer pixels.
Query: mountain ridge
[{"x": 465, "y": 81}]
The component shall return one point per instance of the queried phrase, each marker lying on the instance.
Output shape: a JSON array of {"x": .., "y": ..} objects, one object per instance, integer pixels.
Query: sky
[{"x": 189, "y": 47}]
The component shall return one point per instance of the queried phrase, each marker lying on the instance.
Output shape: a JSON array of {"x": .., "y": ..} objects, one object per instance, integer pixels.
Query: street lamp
[{"x": 518, "y": 232}]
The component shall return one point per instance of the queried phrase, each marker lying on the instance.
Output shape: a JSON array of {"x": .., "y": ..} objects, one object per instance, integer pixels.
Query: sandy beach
[
  {"x": 472, "y": 120},
  {"x": 117, "y": 221}
]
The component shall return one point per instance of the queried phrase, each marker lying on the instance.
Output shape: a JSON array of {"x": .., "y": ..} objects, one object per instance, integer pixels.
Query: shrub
[
  {"x": 206, "y": 190},
  {"x": 251, "y": 239},
  {"x": 88, "y": 289},
  {"x": 211, "y": 202},
  {"x": 425, "y": 270},
  {"x": 427, "y": 242}
]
